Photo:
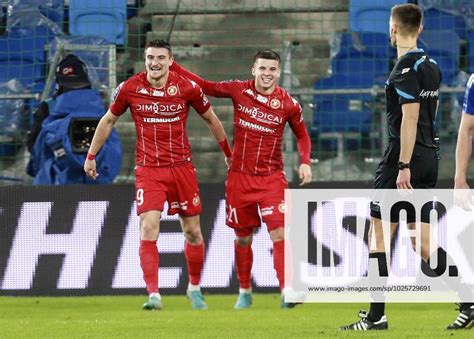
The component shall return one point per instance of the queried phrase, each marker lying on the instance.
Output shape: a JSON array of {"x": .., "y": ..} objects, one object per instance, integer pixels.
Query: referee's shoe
[
  {"x": 465, "y": 319},
  {"x": 364, "y": 324}
]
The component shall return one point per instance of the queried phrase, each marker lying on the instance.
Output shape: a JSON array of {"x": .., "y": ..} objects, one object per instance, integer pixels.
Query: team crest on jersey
[
  {"x": 275, "y": 103},
  {"x": 282, "y": 207},
  {"x": 172, "y": 90},
  {"x": 157, "y": 93},
  {"x": 196, "y": 201}
]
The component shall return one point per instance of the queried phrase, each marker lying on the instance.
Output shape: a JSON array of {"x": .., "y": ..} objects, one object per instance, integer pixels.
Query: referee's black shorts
[{"x": 423, "y": 169}]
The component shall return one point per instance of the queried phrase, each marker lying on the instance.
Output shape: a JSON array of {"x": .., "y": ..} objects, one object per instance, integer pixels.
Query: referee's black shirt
[{"x": 415, "y": 78}]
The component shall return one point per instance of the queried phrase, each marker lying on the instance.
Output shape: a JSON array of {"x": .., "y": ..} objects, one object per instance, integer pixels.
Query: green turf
[{"x": 122, "y": 317}]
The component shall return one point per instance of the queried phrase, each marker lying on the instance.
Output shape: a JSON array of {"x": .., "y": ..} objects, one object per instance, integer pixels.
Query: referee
[{"x": 410, "y": 160}]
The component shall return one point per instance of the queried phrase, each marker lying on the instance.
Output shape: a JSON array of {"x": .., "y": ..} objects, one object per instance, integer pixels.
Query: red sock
[
  {"x": 279, "y": 261},
  {"x": 195, "y": 260},
  {"x": 243, "y": 262},
  {"x": 150, "y": 262}
]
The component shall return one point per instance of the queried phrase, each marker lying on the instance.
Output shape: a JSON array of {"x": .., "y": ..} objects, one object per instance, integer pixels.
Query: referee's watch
[{"x": 402, "y": 165}]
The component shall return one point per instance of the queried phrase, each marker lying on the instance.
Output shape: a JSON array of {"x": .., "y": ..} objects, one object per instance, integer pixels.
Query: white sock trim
[
  {"x": 192, "y": 288},
  {"x": 245, "y": 290},
  {"x": 155, "y": 294}
]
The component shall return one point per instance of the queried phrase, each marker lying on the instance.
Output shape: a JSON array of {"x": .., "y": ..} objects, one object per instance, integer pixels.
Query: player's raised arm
[
  {"x": 221, "y": 89},
  {"x": 102, "y": 132}
]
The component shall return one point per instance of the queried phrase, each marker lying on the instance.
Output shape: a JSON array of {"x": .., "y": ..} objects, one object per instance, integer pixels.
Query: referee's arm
[{"x": 408, "y": 130}]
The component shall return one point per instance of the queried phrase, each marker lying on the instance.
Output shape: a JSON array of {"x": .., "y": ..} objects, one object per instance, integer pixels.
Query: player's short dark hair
[
  {"x": 159, "y": 43},
  {"x": 408, "y": 17},
  {"x": 269, "y": 54}
]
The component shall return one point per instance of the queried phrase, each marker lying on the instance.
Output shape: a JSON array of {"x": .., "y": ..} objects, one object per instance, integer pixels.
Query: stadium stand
[
  {"x": 370, "y": 15},
  {"x": 443, "y": 46},
  {"x": 217, "y": 40},
  {"x": 106, "y": 19},
  {"x": 471, "y": 51},
  {"x": 436, "y": 20}
]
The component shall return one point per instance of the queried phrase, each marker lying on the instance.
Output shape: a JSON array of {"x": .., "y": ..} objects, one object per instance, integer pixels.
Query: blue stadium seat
[
  {"x": 363, "y": 56},
  {"x": 104, "y": 18},
  {"x": 371, "y": 43},
  {"x": 443, "y": 46},
  {"x": 434, "y": 19},
  {"x": 370, "y": 15},
  {"x": 22, "y": 54},
  {"x": 341, "y": 112}
]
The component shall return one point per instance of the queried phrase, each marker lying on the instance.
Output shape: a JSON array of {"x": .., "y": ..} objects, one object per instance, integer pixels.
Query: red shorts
[
  {"x": 245, "y": 194},
  {"x": 177, "y": 185}
]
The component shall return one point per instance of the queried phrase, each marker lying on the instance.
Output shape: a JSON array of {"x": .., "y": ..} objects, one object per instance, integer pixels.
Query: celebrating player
[
  {"x": 159, "y": 102},
  {"x": 256, "y": 179},
  {"x": 410, "y": 160}
]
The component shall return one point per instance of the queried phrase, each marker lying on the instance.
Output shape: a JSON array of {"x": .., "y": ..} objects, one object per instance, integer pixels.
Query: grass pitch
[{"x": 122, "y": 317}]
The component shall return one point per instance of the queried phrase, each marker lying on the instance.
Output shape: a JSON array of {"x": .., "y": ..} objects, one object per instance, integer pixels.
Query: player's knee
[
  {"x": 149, "y": 230},
  {"x": 193, "y": 235},
  {"x": 277, "y": 234},
  {"x": 244, "y": 241}
]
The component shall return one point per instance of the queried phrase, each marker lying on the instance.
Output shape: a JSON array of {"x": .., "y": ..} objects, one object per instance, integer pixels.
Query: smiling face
[
  {"x": 266, "y": 73},
  {"x": 157, "y": 64}
]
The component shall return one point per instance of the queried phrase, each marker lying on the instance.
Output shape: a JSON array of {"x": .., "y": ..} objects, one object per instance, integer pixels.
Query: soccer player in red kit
[
  {"x": 256, "y": 179},
  {"x": 159, "y": 102}
]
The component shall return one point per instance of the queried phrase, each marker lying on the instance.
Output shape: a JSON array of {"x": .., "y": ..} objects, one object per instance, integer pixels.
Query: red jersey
[
  {"x": 259, "y": 122},
  {"x": 160, "y": 117}
]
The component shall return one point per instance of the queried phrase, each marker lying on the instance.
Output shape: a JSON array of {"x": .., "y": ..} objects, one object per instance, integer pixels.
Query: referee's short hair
[{"x": 408, "y": 17}]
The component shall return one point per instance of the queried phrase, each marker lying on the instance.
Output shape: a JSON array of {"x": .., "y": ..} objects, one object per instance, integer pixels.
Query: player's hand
[
  {"x": 90, "y": 169},
  {"x": 228, "y": 162},
  {"x": 403, "y": 181},
  {"x": 462, "y": 196},
  {"x": 305, "y": 174}
]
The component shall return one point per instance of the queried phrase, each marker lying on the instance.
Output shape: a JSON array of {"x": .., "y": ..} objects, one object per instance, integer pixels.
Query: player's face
[
  {"x": 266, "y": 73},
  {"x": 157, "y": 62}
]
